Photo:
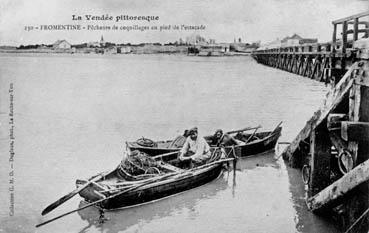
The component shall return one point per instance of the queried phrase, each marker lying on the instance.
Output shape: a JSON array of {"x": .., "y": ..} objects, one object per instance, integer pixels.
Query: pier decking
[{"x": 333, "y": 148}]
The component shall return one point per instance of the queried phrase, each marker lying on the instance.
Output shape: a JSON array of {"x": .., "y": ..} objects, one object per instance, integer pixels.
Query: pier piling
[{"x": 333, "y": 147}]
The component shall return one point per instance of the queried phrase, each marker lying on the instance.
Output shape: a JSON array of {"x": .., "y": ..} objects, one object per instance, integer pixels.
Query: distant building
[
  {"x": 62, "y": 44},
  {"x": 196, "y": 40},
  {"x": 212, "y": 50},
  {"x": 124, "y": 49},
  {"x": 97, "y": 44},
  {"x": 295, "y": 40},
  {"x": 273, "y": 44},
  {"x": 243, "y": 47},
  {"x": 181, "y": 42}
]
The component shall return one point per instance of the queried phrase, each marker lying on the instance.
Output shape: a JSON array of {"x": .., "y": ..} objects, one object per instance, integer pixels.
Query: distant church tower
[{"x": 102, "y": 42}]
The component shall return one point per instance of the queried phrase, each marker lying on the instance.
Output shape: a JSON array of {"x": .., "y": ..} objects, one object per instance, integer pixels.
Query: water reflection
[
  {"x": 266, "y": 159},
  {"x": 120, "y": 220}
]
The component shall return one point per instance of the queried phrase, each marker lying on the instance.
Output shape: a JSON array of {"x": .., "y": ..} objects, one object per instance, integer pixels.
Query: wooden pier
[
  {"x": 332, "y": 150},
  {"x": 324, "y": 62}
]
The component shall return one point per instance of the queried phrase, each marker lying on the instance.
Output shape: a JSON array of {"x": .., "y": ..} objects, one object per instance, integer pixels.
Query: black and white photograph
[{"x": 181, "y": 116}]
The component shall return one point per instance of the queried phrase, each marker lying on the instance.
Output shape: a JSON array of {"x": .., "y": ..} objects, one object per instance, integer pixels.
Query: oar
[
  {"x": 252, "y": 135},
  {"x": 149, "y": 181},
  {"x": 244, "y": 129},
  {"x": 70, "y": 195},
  {"x": 107, "y": 198},
  {"x": 212, "y": 163},
  {"x": 165, "y": 155}
]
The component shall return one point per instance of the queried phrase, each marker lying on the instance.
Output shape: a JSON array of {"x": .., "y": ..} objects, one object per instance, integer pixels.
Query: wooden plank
[
  {"x": 354, "y": 106},
  {"x": 333, "y": 98},
  {"x": 303, "y": 134},
  {"x": 320, "y": 160},
  {"x": 334, "y": 37},
  {"x": 344, "y": 37},
  {"x": 355, "y": 131},
  {"x": 360, "y": 22},
  {"x": 365, "y": 13},
  {"x": 334, "y": 192},
  {"x": 171, "y": 167},
  {"x": 292, "y": 57},
  {"x": 323, "y": 76},
  {"x": 267, "y": 52},
  {"x": 312, "y": 74},
  {"x": 334, "y": 121},
  {"x": 363, "y": 147},
  {"x": 305, "y": 66},
  {"x": 352, "y": 31},
  {"x": 295, "y": 66}
]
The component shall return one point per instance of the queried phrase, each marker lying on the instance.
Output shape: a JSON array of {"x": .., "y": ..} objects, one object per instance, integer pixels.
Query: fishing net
[{"x": 139, "y": 165}]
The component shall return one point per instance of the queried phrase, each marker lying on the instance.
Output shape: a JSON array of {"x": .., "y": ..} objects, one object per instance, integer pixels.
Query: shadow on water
[
  {"x": 120, "y": 220},
  {"x": 305, "y": 220},
  {"x": 246, "y": 164}
]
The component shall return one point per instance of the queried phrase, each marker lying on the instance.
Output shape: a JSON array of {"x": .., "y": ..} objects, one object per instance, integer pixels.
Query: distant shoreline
[
  {"x": 204, "y": 49},
  {"x": 142, "y": 51}
]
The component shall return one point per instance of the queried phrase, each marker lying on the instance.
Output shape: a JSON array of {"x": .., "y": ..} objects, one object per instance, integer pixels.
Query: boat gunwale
[
  {"x": 163, "y": 182},
  {"x": 195, "y": 180},
  {"x": 271, "y": 134}
]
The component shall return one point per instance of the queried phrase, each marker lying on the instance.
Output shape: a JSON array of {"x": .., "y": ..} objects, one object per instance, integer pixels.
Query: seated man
[
  {"x": 220, "y": 139},
  {"x": 195, "y": 148}
]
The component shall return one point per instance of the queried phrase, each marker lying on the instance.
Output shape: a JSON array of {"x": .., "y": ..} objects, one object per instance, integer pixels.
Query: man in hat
[
  {"x": 195, "y": 148},
  {"x": 224, "y": 139}
]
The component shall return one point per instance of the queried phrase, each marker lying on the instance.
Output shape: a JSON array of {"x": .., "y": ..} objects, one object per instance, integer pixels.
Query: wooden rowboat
[
  {"x": 255, "y": 143},
  {"x": 121, "y": 192},
  {"x": 259, "y": 142}
]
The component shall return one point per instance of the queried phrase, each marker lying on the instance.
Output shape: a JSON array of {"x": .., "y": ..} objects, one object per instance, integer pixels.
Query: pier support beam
[
  {"x": 320, "y": 160},
  {"x": 359, "y": 113},
  {"x": 331, "y": 194}
]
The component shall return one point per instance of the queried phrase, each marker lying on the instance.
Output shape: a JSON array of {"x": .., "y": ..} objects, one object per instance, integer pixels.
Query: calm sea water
[{"x": 74, "y": 112}]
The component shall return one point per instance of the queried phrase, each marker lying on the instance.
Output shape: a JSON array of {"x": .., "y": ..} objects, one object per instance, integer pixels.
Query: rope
[
  {"x": 357, "y": 220},
  {"x": 146, "y": 142},
  {"x": 217, "y": 154}
]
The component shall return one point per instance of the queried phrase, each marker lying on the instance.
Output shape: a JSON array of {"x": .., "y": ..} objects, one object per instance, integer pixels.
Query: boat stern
[{"x": 91, "y": 193}]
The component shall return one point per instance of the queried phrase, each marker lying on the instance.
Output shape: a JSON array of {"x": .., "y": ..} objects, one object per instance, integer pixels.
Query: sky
[{"x": 250, "y": 20}]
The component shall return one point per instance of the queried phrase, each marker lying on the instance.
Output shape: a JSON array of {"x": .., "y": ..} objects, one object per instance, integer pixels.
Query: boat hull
[
  {"x": 266, "y": 142},
  {"x": 259, "y": 146},
  {"x": 152, "y": 191}
]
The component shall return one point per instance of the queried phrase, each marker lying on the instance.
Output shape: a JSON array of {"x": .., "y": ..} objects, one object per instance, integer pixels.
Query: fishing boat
[
  {"x": 257, "y": 143},
  {"x": 252, "y": 143},
  {"x": 121, "y": 188}
]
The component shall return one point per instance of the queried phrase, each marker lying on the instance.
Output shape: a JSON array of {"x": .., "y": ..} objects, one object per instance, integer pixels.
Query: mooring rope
[{"x": 357, "y": 220}]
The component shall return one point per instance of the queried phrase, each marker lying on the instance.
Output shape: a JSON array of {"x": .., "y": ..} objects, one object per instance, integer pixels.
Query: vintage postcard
[{"x": 184, "y": 116}]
